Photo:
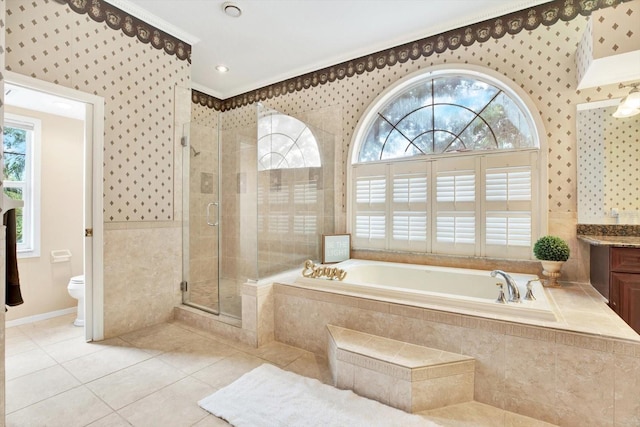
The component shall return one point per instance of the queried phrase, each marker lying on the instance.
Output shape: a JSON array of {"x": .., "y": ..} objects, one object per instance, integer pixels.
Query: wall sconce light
[{"x": 630, "y": 104}]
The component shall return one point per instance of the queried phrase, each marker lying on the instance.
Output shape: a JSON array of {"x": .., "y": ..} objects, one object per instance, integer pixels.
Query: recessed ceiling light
[
  {"x": 222, "y": 68},
  {"x": 231, "y": 9}
]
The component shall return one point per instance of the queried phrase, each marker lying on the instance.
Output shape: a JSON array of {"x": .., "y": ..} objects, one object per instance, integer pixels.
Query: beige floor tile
[
  {"x": 197, "y": 356},
  {"x": 74, "y": 408},
  {"x": 64, "y": 351},
  {"x": 112, "y": 420},
  {"x": 475, "y": 414},
  {"x": 160, "y": 338},
  {"x": 212, "y": 421},
  {"x": 228, "y": 370},
  {"x": 175, "y": 405},
  {"x": 26, "y": 363},
  {"x": 216, "y": 337},
  {"x": 467, "y": 414},
  {"x": 17, "y": 344},
  {"x": 50, "y": 323},
  {"x": 313, "y": 366},
  {"x": 13, "y": 332},
  {"x": 102, "y": 363},
  {"x": 52, "y": 330},
  {"x": 277, "y": 353},
  {"x": 28, "y": 389},
  {"x": 135, "y": 382}
]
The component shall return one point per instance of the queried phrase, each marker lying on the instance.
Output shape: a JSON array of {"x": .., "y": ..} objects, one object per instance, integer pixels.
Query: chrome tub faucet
[{"x": 512, "y": 287}]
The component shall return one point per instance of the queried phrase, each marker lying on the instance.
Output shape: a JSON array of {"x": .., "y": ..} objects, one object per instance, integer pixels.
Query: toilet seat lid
[{"x": 77, "y": 279}]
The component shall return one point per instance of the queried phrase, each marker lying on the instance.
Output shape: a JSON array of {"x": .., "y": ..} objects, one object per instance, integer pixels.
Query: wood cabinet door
[
  {"x": 628, "y": 304},
  {"x": 625, "y": 260}
]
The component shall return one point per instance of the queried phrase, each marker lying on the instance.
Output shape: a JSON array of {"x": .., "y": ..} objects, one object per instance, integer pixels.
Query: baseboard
[{"x": 38, "y": 317}]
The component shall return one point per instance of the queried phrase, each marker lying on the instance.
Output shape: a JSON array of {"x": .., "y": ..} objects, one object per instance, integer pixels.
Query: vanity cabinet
[{"x": 615, "y": 273}]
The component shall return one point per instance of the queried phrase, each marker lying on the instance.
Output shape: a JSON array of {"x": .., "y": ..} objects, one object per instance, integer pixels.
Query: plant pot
[{"x": 551, "y": 269}]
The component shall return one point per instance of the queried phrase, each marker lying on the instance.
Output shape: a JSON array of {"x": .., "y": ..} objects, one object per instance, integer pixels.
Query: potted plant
[{"x": 552, "y": 252}]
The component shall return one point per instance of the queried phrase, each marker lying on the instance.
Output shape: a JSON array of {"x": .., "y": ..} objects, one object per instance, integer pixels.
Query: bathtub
[{"x": 450, "y": 289}]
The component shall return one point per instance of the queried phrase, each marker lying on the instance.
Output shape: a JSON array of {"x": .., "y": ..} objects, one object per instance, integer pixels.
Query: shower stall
[{"x": 258, "y": 196}]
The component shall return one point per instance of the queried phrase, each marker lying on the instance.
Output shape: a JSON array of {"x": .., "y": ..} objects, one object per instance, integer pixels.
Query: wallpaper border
[
  {"x": 204, "y": 99},
  {"x": 116, "y": 19},
  {"x": 528, "y": 19}
]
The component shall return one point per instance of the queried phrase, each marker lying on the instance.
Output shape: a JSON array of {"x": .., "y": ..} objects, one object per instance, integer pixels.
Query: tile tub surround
[
  {"x": 549, "y": 373},
  {"x": 406, "y": 376}
]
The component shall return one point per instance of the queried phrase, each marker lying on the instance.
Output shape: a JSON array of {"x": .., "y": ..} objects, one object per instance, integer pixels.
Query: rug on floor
[{"x": 271, "y": 397}]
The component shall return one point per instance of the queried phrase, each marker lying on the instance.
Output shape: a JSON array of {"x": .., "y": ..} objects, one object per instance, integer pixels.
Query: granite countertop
[{"x": 620, "y": 241}]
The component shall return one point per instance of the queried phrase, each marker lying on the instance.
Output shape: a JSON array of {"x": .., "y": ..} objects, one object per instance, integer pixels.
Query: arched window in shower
[
  {"x": 285, "y": 142},
  {"x": 296, "y": 167}
]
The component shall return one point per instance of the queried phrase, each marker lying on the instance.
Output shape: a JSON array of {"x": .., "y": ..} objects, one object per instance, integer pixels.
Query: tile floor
[{"x": 154, "y": 377}]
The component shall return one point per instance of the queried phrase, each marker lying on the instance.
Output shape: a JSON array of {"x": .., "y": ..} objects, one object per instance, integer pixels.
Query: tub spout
[{"x": 512, "y": 287}]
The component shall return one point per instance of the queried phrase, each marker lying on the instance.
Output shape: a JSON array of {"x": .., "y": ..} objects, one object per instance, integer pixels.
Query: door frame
[{"x": 93, "y": 210}]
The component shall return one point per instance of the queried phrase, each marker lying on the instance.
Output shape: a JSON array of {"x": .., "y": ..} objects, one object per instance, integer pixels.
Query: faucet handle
[
  {"x": 501, "y": 298},
  {"x": 529, "y": 296}
]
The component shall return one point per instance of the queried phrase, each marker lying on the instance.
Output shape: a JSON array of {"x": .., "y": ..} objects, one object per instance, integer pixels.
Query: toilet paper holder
[{"x": 60, "y": 255}]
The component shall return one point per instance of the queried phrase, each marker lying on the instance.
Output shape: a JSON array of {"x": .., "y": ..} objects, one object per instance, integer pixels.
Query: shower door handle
[{"x": 213, "y": 224}]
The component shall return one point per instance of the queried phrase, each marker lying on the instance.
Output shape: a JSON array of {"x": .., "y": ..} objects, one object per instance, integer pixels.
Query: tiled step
[{"x": 406, "y": 376}]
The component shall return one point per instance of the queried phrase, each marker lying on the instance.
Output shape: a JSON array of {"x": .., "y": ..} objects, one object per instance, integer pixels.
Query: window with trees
[
  {"x": 447, "y": 161},
  {"x": 20, "y": 148}
]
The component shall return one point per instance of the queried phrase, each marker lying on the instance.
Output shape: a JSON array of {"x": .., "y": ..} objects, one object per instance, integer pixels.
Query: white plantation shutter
[
  {"x": 408, "y": 210},
  {"x": 478, "y": 205},
  {"x": 305, "y": 224},
  {"x": 305, "y": 193},
  {"x": 370, "y": 219},
  {"x": 371, "y": 226},
  {"x": 456, "y": 228},
  {"x": 456, "y": 213},
  {"x": 279, "y": 223},
  {"x": 371, "y": 190},
  {"x": 509, "y": 197},
  {"x": 456, "y": 186},
  {"x": 508, "y": 184},
  {"x": 508, "y": 228}
]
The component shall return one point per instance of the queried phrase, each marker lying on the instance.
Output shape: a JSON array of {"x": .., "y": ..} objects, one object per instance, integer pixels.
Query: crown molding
[{"x": 153, "y": 20}]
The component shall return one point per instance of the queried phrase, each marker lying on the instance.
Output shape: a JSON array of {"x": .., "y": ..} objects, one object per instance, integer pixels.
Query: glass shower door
[{"x": 201, "y": 221}]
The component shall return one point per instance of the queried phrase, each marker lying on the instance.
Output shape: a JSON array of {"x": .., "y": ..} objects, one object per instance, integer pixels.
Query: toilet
[{"x": 76, "y": 290}]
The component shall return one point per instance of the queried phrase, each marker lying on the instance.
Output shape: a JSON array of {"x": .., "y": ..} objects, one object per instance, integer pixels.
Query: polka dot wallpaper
[
  {"x": 622, "y": 154},
  {"x": 609, "y": 166},
  {"x": 48, "y": 41},
  {"x": 591, "y": 162}
]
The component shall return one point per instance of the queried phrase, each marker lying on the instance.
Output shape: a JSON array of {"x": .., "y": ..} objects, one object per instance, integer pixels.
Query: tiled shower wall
[
  {"x": 541, "y": 61},
  {"x": 142, "y": 263}
]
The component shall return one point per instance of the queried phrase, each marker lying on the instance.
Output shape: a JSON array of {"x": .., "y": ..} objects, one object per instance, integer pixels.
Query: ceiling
[
  {"x": 274, "y": 40},
  {"x": 22, "y": 97}
]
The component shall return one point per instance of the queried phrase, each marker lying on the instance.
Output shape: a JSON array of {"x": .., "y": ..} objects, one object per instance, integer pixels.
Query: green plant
[{"x": 551, "y": 248}]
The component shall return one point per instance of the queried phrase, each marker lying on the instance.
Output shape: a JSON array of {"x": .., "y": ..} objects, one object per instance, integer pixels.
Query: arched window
[
  {"x": 285, "y": 142},
  {"x": 448, "y": 161}
]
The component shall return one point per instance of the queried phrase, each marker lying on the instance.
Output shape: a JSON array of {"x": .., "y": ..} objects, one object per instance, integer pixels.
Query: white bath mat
[{"x": 271, "y": 397}]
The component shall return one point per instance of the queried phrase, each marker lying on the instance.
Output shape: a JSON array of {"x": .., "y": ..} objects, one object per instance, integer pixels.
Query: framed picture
[{"x": 336, "y": 248}]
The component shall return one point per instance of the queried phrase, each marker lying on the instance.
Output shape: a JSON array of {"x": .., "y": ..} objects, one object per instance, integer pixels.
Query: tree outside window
[{"x": 14, "y": 172}]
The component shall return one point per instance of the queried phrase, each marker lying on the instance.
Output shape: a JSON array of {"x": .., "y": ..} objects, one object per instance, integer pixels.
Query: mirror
[{"x": 608, "y": 165}]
